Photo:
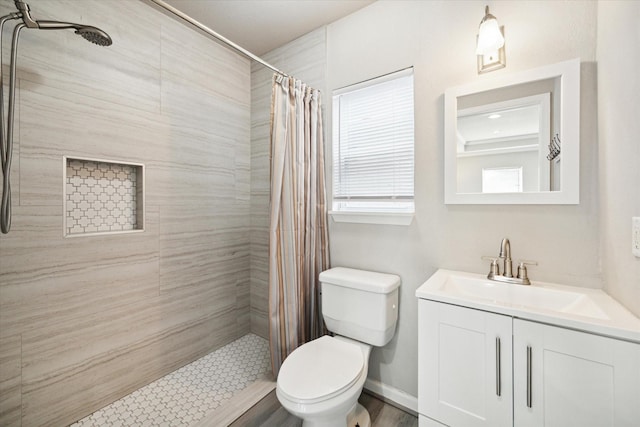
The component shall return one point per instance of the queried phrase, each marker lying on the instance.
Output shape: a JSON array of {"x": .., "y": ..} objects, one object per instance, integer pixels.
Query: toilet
[{"x": 321, "y": 380}]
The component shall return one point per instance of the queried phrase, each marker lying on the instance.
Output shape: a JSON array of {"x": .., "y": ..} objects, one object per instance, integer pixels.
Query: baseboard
[{"x": 393, "y": 396}]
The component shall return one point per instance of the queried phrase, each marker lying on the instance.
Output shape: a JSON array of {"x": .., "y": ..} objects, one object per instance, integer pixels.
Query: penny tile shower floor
[{"x": 185, "y": 396}]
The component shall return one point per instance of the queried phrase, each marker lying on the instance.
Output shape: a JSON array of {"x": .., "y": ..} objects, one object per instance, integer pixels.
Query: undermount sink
[{"x": 533, "y": 296}]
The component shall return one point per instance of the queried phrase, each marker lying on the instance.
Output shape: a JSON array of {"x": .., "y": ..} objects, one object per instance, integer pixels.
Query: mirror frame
[{"x": 569, "y": 194}]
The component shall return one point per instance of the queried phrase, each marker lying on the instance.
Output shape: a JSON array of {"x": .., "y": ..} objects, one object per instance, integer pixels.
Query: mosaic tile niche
[{"x": 103, "y": 197}]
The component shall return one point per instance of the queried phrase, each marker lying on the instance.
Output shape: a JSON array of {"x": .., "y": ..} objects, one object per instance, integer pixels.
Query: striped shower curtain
[{"x": 298, "y": 235}]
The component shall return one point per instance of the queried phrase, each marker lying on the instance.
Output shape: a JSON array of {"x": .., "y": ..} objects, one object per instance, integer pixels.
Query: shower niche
[{"x": 102, "y": 197}]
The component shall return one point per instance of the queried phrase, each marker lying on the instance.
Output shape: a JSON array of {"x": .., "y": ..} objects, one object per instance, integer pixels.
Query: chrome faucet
[{"x": 505, "y": 253}]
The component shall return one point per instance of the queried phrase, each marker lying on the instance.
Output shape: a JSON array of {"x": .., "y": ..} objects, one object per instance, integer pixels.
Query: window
[{"x": 373, "y": 145}]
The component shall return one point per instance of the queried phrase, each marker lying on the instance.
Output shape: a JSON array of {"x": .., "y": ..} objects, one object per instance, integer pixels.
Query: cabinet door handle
[
  {"x": 498, "y": 367},
  {"x": 529, "y": 403}
]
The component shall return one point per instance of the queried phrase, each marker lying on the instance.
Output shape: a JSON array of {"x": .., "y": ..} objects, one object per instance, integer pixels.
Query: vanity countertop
[{"x": 589, "y": 310}]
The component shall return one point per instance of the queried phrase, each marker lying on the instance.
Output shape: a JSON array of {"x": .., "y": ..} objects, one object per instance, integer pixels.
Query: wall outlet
[{"x": 635, "y": 236}]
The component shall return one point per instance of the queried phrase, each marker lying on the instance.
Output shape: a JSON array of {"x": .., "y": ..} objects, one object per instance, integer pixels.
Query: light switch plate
[{"x": 635, "y": 233}]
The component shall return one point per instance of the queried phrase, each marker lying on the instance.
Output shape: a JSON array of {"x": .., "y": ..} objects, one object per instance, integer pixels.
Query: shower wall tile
[
  {"x": 304, "y": 58},
  {"x": 227, "y": 257},
  {"x": 202, "y": 65},
  {"x": 243, "y": 170},
  {"x": 220, "y": 113},
  {"x": 211, "y": 251},
  {"x": 10, "y": 380},
  {"x": 99, "y": 316},
  {"x": 243, "y": 305}
]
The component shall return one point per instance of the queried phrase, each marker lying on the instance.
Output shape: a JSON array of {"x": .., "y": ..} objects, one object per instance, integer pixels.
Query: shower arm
[
  {"x": 55, "y": 25},
  {"x": 25, "y": 14}
]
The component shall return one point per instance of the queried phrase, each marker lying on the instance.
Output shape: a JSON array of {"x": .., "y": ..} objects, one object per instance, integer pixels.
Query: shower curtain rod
[{"x": 212, "y": 33}]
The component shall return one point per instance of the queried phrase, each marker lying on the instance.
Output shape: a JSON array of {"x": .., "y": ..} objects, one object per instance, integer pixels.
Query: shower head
[{"x": 93, "y": 34}]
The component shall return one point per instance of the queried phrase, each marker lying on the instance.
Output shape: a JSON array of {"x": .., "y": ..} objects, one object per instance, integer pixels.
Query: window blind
[{"x": 373, "y": 145}]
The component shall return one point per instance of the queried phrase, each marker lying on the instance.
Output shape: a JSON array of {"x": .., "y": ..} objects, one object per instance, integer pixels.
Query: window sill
[{"x": 385, "y": 218}]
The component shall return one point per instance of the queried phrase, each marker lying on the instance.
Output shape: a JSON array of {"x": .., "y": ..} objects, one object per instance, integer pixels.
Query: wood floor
[{"x": 269, "y": 413}]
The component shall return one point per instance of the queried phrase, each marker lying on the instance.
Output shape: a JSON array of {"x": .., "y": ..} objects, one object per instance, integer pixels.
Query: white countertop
[{"x": 596, "y": 312}]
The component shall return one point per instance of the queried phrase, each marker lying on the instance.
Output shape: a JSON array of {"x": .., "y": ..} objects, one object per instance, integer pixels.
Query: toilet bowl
[{"x": 322, "y": 380}]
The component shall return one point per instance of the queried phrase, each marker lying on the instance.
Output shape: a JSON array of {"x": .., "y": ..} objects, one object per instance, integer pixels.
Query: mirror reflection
[{"x": 503, "y": 139}]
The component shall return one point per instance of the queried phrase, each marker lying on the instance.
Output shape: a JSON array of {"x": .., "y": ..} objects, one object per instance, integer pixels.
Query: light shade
[
  {"x": 490, "y": 37},
  {"x": 490, "y": 44}
]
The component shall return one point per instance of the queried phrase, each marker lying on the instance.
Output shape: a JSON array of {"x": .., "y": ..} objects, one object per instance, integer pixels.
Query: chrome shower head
[{"x": 94, "y": 35}]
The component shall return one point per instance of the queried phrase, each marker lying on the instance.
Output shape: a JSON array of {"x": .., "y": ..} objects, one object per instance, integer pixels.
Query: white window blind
[{"x": 373, "y": 145}]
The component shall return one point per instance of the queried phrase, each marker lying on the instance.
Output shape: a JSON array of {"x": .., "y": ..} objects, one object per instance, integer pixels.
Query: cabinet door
[
  {"x": 464, "y": 368},
  {"x": 566, "y": 378}
]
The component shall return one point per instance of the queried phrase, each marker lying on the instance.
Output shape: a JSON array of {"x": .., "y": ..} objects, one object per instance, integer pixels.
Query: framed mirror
[{"x": 514, "y": 139}]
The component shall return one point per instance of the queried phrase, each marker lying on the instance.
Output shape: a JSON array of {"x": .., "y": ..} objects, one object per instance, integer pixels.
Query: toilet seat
[{"x": 320, "y": 370}]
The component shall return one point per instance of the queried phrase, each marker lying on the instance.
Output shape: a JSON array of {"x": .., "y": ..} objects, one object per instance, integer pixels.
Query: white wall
[
  {"x": 619, "y": 145},
  {"x": 437, "y": 39}
]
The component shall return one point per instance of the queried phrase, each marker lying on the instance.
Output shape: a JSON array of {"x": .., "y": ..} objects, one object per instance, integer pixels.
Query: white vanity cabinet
[
  {"x": 472, "y": 374},
  {"x": 464, "y": 368},
  {"x": 569, "y": 378}
]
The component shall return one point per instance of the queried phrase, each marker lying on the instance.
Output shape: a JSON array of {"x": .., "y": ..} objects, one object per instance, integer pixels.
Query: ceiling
[{"x": 262, "y": 25}]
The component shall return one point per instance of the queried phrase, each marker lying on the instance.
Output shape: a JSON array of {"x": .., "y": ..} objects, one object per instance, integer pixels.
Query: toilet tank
[{"x": 358, "y": 304}]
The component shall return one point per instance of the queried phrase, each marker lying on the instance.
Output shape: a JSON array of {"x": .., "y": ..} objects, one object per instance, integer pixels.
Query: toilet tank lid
[{"x": 380, "y": 283}]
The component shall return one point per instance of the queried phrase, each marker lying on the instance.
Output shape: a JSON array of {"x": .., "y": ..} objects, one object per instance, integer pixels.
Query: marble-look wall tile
[
  {"x": 304, "y": 58},
  {"x": 202, "y": 65},
  {"x": 243, "y": 305},
  {"x": 10, "y": 380},
  {"x": 85, "y": 320},
  {"x": 48, "y": 280}
]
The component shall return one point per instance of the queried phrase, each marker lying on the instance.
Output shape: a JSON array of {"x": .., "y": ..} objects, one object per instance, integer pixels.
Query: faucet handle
[
  {"x": 522, "y": 270},
  {"x": 527, "y": 262},
  {"x": 494, "y": 269}
]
